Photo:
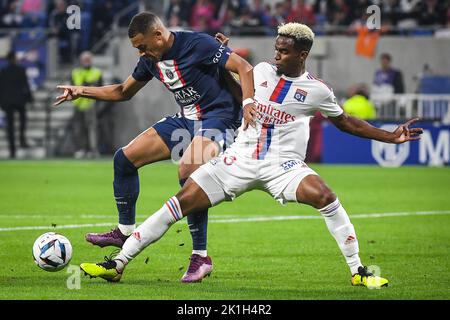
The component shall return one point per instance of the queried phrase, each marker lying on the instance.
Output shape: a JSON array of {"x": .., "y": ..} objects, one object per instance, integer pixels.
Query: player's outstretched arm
[
  {"x": 116, "y": 92},
  {"x": 361, "y": 128}
]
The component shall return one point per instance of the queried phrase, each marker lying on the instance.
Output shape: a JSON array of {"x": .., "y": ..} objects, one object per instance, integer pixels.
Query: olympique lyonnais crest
[
  {"x": 169, "y": 74},
  {"x": 300, "y": 95}
]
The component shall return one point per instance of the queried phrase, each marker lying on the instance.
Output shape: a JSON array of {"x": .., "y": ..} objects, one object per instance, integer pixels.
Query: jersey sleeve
[
  {"x": 329, "y": 107},
  {"x": 258, "y": 73},
  {"x": 141, "y": 72},
  {"x": 208, "y": 51}
]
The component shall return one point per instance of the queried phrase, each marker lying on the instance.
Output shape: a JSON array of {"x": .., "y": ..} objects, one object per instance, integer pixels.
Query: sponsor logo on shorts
[
  {"x": 288, "y": 165},
  {"x": 229, "y": 160},
  {"x": 214, "y": 161}
]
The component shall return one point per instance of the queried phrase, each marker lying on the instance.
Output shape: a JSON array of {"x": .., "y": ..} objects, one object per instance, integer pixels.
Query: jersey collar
[{"x": 173, "y": 50}]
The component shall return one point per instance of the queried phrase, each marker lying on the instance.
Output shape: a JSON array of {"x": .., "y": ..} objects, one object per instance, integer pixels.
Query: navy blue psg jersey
[{"x": 190, "y": 70}]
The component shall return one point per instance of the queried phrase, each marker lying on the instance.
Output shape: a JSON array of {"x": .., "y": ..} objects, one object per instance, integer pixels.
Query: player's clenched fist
[{"x": 70, "y": 93}]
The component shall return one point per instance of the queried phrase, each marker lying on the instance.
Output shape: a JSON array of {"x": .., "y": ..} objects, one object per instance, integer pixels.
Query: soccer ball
[{"x": 52, "y": 251}]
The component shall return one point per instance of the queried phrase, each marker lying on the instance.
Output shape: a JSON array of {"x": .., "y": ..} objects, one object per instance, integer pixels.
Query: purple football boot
[
  {"x": 113, "y": 238},
  {"x": 199, "y": 268}
]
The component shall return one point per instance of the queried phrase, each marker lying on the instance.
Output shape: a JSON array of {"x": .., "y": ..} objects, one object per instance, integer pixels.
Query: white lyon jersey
[
  {"x": 271, "y": 156},
  {"x": 285, "y": 106}
]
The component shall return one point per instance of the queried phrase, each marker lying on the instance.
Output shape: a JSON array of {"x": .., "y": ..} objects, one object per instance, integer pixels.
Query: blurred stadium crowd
[
  {"x": 257, "y": 17},
  {"x": 96, "y": 18},
  {"x": 233, "y": 17},
  {"x": 212, "y": 15}
]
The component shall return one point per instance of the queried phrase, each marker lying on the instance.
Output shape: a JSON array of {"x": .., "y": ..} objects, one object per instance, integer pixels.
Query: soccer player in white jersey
[{"x": 269, "y": 155}]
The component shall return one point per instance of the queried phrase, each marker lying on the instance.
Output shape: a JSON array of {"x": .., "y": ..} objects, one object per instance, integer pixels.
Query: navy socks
[
  {"x": 126, "y": 188},
  {"x": 198, "y": 226}
]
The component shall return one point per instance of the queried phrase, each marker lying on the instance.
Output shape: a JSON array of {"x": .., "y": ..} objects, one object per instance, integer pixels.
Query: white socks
[
  {"x": 151, "y": 230},
  {"x": 343, "y": 232},
  {"x": 201, "y": 253},
  {"x": 126, "y": 229}
]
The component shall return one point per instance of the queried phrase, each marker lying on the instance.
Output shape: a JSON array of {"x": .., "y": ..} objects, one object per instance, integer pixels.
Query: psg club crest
[
  {"x": 169, "y": 74},
  {"x": 300, "y": 95}
]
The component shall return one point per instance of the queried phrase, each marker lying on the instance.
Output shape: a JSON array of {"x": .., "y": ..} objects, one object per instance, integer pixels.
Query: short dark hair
[
  {"x": 386, "y": 56},
  {"x": 141, "y": 23},
  {"x": 303, "y": 44}
]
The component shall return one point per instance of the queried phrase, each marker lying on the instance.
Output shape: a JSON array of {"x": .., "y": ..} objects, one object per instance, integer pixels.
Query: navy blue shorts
[{"x": 178, "y": 132}]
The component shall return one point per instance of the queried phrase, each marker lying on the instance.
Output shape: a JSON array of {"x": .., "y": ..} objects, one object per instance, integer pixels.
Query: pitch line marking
[{"x": 251, "y": 219}]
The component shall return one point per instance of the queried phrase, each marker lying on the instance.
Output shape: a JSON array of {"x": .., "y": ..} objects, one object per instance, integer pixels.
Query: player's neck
[
  {"x": 296, "y": 73},
  {"x": 170, "y": 41}
]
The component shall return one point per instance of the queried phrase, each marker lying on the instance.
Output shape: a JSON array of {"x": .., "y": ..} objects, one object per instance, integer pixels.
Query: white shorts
[{"x": 227, "y": 176}]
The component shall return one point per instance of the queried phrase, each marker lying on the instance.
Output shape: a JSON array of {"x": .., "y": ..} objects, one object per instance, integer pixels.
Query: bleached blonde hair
[{"x": 301, "y": 33}]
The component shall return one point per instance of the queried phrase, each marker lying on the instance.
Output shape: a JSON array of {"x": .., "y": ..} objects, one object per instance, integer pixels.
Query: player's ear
[
  {"x": 158, "y": 34},
  {"x": 304, "y": 54}
]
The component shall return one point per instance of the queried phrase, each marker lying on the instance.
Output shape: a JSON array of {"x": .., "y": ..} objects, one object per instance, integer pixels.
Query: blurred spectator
[
  {"x": 202, "y": 16},
  {"x": 103, "y": 17},
  {"x": 174, "y": 22},
  {"x": 15, "y": 93},
  {"x": 391, "y": 12},
  {"x": 254, "y": 20},
  {"x": 85, "y": 116},
  {"x": 12, "y": 18},
  {"x": 280, "y": 15},
  {"x": 58, "y": 26},
  {"x": 32, "y": 6},
  {"x": 387, "y": 79},
  {"x": 432, "y": 12},
  {"x": 178, "y": 10},
  {"x": 338, "y": 13},
  {"x": 407, "y": 18},
  {"x": 444, "y": 32},
  {"x": 259, "y": 12},
  {"x": 358, "y": 104},
  {"x": 303, "y": 13},
  {"x": 357, "y": 9}
]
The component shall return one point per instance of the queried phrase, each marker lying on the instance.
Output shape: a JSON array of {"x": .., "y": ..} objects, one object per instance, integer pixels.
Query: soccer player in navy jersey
[{"x": 188, "y": 63}]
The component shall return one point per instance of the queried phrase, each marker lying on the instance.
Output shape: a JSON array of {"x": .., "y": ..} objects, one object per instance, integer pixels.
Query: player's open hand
[
  {"x": 249, "y": 115},
  {"x": 223, "y": 39},
  {"x": 404, "y": 133},
  {"x": 70, "y": 93}
]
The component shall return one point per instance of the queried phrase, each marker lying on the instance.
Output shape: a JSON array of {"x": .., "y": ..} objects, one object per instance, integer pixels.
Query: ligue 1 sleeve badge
[{"x": 300, "y": 95}]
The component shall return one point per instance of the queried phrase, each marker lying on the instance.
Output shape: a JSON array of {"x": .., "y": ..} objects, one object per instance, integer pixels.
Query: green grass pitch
[{"x": 270, "y": 259}]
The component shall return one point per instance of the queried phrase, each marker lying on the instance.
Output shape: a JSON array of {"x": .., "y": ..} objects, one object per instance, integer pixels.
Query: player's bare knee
[{"x": 326, "y": 197}]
